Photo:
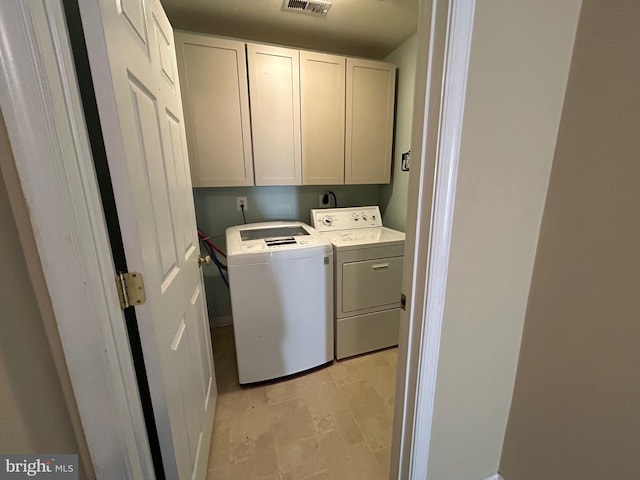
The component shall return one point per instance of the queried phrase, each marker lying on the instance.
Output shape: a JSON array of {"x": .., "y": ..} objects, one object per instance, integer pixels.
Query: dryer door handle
[{"x": 380, "y": 266}]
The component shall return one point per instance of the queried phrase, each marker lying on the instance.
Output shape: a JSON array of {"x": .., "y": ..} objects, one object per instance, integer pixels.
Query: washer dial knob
[{"x": 327, "y": 220}]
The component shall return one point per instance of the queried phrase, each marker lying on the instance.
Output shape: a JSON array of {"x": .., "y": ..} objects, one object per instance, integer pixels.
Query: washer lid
[
  {"x": 273, "y": 233},
  {"x": 272, "y": 241}
]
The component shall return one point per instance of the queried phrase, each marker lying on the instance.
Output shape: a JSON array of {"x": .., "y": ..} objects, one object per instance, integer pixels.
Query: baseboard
[
  {"x": 221, "y": 321},
  {"x": 495, "y": 476}
]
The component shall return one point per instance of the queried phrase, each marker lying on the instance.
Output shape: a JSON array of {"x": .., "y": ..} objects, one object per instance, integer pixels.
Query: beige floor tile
[
  {"x": 220, "y": 452},
  {"x": 324, "y": 475},
  {"x": 324, "y": 422},
  {"x": 377, "y": 429},
  {"x": 324, "y": 398},
  {"x": 356, "y": 462},
  {"x": 383, "y": 457},
  {"x": 284, "y": 390},
  {"x": 265, "y": 455},
  {"x": 318, "y": 376},
  {"x": 332, "y": 423},
  {"x": 308, "y": 457},
  {"x": 348, "y": 428},
  {"x": 346, "y": 371},
  {"x": 374, "y": 359},
  {"x": 241, "y": 401},
  {"x": 251, "y": 423},
  {"x": 242, "y": 449},
  {"x": 363, "y": 400},
  {"x": 236, "y": 471},
  {"x": 294, "y": 463},
  {"x": 322, "y": 445},
  {"x": 380, "y": 446},
  {"x": 275, "y": 476},
  {"x": 384, "y": 384},
  {"x": 382, "y": 376},
  {"x": 291, "y": 421}
]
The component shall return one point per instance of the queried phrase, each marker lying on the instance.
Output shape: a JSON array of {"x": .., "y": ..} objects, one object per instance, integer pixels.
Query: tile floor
[{"x": 331, "y": 424}]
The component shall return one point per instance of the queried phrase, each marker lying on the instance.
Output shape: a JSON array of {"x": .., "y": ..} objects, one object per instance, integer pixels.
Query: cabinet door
[
  {"x": 215, "y": 98},
  {"x": 322, "y": 97},
  {"x": 369, "y": 117},
  {"x": 274, "y": 88}
]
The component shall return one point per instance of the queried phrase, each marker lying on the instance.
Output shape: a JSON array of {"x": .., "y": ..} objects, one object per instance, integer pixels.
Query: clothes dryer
[{"x": 368, "y": 260}]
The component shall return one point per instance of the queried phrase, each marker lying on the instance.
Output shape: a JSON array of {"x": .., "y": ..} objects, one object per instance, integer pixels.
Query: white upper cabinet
[
  {"x": 213, "y": 76},
  {"x": 274, "y": 88},
  {"x": 281, "y": 116},
  {"x": 369, "y": 121},
  {"x": 322, "y": 104}
]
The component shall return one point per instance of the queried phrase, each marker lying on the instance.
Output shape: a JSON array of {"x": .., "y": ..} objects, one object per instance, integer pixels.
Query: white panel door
[
  {"x": 132, "y": 58},
  {"x": 322, "y": 104},
  {"x": 213, "y": 76},
  {"x": 274, "y": 92},
  {"x": 369, "y": 117}
]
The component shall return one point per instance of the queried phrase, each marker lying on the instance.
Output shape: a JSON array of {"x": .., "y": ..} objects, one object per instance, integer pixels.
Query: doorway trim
[
  {"x": 43, "y": 113},
  {"x": 444, "y": 46},
  {"x": 41, "y": 105}
]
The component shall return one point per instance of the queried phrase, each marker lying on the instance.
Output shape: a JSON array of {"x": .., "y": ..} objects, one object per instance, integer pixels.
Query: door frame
[
  {"x": 444, "y": 46},
  {"x": 41, "y": 105},
  {"x": 40, "y": 102}
]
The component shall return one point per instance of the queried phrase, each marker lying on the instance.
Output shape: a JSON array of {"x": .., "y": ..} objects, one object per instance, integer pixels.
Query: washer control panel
[{"x": 330, "y": 219}]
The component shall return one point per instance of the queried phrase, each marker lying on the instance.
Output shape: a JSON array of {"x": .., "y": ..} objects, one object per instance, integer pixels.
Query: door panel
[
  {"x": 198, "y": 329},
  {"x": 184, "y": 212},
  {"x": 165, "y": 53},
  {"x": 151, "y": 153},
  {"x": 137, "y": 90},
  {"x": 181, "y": 431},
  {"x": 186, "y": 381},
  {"x": 133, "y": 11}
]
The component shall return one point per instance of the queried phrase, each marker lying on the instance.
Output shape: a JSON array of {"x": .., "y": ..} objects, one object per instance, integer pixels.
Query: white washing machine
[
  {"x": 281, "y": 283},
  {"x": 368, "y": 261}
]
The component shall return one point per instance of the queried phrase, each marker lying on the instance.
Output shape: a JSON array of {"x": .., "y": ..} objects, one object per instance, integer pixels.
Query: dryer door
[{"x": 371, "y": 283}]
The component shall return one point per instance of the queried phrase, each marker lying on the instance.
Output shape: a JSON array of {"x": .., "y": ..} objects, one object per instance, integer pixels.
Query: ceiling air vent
[{"x": 315, "y": 7}]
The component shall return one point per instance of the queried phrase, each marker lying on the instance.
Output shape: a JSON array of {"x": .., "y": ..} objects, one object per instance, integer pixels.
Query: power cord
[{"x": 242, "y": 209}]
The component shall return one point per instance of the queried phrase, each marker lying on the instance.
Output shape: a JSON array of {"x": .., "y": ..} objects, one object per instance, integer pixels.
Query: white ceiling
[{"x": 368, "y": 28}]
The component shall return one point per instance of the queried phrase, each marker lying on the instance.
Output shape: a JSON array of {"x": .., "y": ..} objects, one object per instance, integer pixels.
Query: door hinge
[
  {"x": 403, "y": 301},
  {"x": 130, "y": 287}
]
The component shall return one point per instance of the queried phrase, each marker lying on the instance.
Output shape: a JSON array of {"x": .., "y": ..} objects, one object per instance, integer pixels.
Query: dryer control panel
[{"x": 331, "y": 219}]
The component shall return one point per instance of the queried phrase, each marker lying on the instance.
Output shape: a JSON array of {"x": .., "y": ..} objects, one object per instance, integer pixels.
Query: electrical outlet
[
  {"x": 321, "y": 203},
  {"x": 240, "y": 201}
]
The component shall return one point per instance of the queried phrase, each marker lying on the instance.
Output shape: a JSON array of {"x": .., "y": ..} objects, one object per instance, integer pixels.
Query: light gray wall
[
  {"x": 34, "y": 417},
  {"x": 216, "y": 210},
  {"x": 576, "y": 407},
  {"x": 392, "y": 198},
  {"x": 518, "y": 70}
]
